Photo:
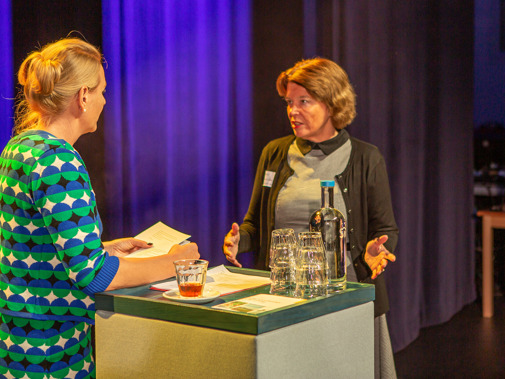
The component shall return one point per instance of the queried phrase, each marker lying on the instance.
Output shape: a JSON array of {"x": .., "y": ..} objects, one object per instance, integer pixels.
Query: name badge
[{"x": 269, "y": 178}]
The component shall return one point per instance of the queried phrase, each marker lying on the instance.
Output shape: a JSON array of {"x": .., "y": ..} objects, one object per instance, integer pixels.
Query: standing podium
[{"x": 140, "y": 334}]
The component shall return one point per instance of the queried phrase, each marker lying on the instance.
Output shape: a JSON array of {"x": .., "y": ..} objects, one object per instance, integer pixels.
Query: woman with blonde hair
[
  {"x": 52, "y": 260},
  {"x": 320, "y": 104}
]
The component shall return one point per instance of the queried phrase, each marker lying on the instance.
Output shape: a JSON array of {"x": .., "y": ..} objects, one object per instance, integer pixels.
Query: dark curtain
[
  {"x": 34, "y": 24},
  {"x": 178, "y": 135},
  {"x": 277, "y": 32},
  {"x": 411, "y": 63}
]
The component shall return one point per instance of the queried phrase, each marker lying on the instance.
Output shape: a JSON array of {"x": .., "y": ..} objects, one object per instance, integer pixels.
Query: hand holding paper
[
  {"x": 163, "y": 239},
  {"x": 123, "y": 247}
]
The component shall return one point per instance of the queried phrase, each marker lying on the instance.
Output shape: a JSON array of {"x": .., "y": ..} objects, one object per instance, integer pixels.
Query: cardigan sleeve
[
  {"x": 249, "y": 228},
  {"x": 379, "y": 211},
  {"x": 381, "y": 219}
]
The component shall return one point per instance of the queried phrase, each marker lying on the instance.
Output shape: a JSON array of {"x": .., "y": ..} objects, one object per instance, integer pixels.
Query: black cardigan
[{"x": 364, "y": 185}]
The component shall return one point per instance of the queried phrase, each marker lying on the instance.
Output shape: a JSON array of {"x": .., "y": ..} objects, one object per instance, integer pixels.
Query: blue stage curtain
[
  {"x": 6, "y": 73},
  {"x": 178, "y": 119}
]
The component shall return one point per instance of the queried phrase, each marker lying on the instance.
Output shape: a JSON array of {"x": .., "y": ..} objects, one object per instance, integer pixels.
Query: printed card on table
[{"x": 258, "y": 303}]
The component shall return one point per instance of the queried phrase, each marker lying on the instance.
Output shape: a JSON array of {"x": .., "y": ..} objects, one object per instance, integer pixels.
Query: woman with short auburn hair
[
  {"x": 320, "y": 103},
  {"x": 327, "y": 82}
]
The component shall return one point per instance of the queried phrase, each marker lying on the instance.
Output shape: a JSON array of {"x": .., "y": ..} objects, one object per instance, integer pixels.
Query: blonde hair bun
[{"x": 51, "y": 77}]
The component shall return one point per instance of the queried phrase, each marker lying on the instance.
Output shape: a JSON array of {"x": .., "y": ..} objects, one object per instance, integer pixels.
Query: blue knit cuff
[{"x": 104, "y": 277}]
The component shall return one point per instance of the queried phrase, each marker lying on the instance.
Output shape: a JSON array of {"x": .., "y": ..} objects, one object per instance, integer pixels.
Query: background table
[
  {"x": 140, "y": 334},
  {"x": 490, "y": 220}
]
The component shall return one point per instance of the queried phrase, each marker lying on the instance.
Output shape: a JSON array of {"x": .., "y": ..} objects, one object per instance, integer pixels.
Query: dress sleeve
[{"x": 63, "y": 196}]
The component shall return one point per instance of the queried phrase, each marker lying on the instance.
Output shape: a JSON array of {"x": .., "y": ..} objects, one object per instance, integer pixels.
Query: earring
[{"x": 84, "y": 109}]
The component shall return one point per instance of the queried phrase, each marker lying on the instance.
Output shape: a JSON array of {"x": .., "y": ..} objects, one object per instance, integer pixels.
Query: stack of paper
[{"x": 222, "y": 280}]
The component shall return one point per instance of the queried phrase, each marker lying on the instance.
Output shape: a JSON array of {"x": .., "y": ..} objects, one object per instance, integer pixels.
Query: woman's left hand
[
  {"x": 377, "y": 256},
  {"x": 124, "y": 246}
]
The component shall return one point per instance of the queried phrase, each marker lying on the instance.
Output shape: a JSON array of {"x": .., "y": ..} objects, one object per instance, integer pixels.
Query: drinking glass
[
  {"x": 310, "y": 266},
  {"x": 282, "y": 261},
  {"x": 191, "y": 276}
]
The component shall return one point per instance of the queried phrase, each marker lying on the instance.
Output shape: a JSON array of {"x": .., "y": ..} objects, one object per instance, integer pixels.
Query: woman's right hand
[
  {"x": 230, "y": 246},
  {"x": 134, "y": 272},
  {"x": 187, "y": 251}
]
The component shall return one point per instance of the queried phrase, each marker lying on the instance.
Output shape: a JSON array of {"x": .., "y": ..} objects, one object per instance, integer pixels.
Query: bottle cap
[{"x": 327, "y": 183}]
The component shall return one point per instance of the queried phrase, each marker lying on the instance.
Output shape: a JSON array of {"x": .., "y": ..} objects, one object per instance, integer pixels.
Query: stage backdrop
[
  {"x": 411, "y": 64},
  {"x": 178, "y": 117},
  {"x": 184, "y": 118}
]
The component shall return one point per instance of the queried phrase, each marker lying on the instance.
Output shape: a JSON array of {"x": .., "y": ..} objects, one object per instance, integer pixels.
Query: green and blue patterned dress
[{"x": 52, "y": 261}]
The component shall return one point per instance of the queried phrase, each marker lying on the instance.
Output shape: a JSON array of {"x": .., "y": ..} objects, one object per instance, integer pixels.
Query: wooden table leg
[
  {"x": 487, "y": 268},
  {"x": 490, "y": 220}
]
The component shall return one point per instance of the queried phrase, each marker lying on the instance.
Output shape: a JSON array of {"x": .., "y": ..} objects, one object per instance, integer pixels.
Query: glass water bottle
[{"x": 331, "y": 223}]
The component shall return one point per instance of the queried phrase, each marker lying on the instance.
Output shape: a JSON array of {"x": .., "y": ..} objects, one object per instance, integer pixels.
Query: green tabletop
[{"x": 144, "y": 302}]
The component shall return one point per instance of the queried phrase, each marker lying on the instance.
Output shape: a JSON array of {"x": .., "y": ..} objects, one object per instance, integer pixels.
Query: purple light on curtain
[
  {"x": 6, "y": 73},
  {"x": 178, "y": 118}
]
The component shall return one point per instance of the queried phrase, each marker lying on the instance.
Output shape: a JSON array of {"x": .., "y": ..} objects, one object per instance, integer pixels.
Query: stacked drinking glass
[{"x": 298, "y": 268}]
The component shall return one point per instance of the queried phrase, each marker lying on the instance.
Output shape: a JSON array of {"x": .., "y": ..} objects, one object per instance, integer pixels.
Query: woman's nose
[{"x": 293, "y": 110}]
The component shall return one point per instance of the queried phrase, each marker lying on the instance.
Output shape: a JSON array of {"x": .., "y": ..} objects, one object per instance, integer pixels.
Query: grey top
[
  {"x": 365, "y": 188},
  {"x": 301, "y": 194}
]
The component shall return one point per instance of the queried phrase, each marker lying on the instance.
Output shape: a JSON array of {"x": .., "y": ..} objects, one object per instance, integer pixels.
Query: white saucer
[{"x": 207, "y": 296}]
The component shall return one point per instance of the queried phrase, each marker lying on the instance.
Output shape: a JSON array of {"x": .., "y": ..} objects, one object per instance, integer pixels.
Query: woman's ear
[{"x": 83, "y": 98}]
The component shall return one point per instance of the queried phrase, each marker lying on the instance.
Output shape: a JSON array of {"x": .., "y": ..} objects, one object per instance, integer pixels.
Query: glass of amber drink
[{"x": 191, "y": 275}]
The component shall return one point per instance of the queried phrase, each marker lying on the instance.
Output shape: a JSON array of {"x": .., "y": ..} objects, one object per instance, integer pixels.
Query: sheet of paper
[
  {"x": 258, "y": 303},
  {"x": 221, "y": 279},
  {"x": 163, "y": 238}
]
